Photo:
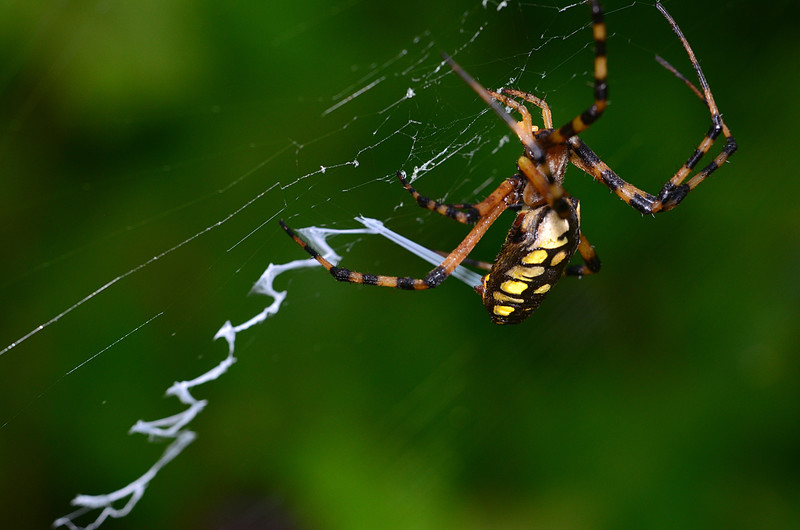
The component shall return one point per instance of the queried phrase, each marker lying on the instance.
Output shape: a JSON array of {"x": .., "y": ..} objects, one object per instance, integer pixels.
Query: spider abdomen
[{"x": 537, "y": 249}]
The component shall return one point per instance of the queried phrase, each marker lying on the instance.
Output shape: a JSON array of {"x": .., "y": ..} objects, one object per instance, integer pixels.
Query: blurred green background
[{"x": 661, "y": 393}]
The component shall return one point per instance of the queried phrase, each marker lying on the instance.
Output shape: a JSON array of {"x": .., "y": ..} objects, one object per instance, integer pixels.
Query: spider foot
[{"x": 671, "y": 195}]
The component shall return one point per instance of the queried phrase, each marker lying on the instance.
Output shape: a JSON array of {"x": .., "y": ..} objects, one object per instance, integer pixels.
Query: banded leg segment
[
  {"x": 582, "y": 122},
  {"x": 504, "y": 196},
  {"x": 463, "y": 213},
  {"x": 591, "y": 263},
  {"x": 346, "y": 275}
]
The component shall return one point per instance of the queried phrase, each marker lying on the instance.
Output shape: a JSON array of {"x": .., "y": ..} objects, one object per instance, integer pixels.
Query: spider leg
[
  {"x": 591, "y": 263},
  {"x": 671, "y": 194},
  {"x": 730, "y": 144},
  {"x": 587, "y": 161},
  {"x": 463, "y": 213},
  {"x": 582, "y": 122},
  {"x": 494, "y": 205},
  {"x": 674, "y": 190}
]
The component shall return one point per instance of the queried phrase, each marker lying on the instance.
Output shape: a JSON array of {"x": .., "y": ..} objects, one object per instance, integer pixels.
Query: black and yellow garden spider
[{"x": 546, "y": 232}]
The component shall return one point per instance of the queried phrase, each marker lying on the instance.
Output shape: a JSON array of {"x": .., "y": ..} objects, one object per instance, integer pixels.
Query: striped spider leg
[{"x": 487, "y": 212}]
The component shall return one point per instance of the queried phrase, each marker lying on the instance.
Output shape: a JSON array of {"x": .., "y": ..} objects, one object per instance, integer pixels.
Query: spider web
[{"x": 170, "y": 246}]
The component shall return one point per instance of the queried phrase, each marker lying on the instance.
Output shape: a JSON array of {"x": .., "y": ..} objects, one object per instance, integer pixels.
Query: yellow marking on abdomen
[
  {"x": 537, "y": 256},
  {"x": 502, "y": 297},
  {"x": 543, "y": 289},
  {"x": 513, "y": 287},
  {"x": 558, "y": 258},
  {"x": 553, "y": 242},
  {"x": 525, "y": 273},
  {"x": 503, "y": 310}
]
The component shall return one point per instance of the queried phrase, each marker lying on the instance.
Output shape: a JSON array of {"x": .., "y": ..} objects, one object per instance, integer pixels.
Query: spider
[{"x": 546, "y": 232}]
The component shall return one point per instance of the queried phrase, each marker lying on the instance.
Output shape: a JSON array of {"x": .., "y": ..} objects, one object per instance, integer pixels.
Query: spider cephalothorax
[{"x": 546, "y": 232}]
